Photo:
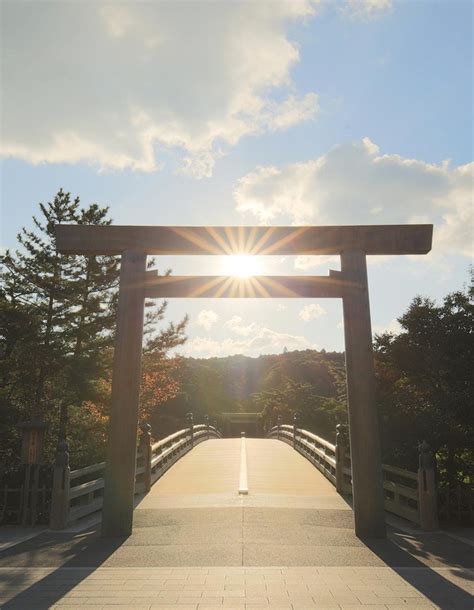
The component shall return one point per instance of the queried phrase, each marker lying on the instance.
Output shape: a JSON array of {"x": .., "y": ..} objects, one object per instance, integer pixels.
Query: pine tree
[
  {"x": 57, "y": 325},
  {"x": 69, "y": 302}
]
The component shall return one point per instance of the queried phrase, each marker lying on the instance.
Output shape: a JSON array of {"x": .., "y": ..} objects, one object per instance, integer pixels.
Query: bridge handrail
[
  {"x": 401, "y": 472},
  {"x": 79, "y": 493},
  {"x": 406, "y": 494},
  {"x": 321, "y": 441},
  {"x": 169, "y": 439},
  {"x": 80, "y": 472}
]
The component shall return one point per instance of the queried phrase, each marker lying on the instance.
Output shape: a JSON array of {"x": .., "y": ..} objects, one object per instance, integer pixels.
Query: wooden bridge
[
  {"x": 411, "y": 495},
  {"x": 241, "y": 523},
  {"x": 352, "y": 243},
  {"x": 237, "y": 523}
]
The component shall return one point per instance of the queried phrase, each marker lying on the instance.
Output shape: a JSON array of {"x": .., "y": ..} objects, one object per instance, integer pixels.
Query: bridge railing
[
  {"x": 79, "y": 493},
  {"x": 317, "y": 450},
  {"x": 411, "y": 495}
]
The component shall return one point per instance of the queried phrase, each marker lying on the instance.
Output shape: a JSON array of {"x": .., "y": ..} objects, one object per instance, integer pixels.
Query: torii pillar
[
  {"x": 351, "y": 243},
  {"x": 364, "y": 436}
]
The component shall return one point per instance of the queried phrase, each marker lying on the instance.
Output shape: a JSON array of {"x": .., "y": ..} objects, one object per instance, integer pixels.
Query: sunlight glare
[{"x": 241, "y": 265}]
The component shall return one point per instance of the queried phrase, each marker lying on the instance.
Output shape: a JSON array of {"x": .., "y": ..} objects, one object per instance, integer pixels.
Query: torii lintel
[{"x": 370, "y": 239}]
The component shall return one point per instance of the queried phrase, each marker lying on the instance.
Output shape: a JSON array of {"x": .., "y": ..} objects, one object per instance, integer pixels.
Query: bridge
[
  {"x": 237, "y": 523},
  {"x": 197, "y": 521}
]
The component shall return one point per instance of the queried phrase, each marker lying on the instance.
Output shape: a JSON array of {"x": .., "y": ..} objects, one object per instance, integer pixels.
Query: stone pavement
[
  {"x": 240, "y": 588},
  {"x": 198, "y": 544}
]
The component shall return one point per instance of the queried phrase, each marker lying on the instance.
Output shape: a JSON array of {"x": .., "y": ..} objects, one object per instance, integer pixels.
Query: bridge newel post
[
  {"x": 146, "y": 451},
  {"x": 190, "y": 423},
  {"x": 279, "y": 426},
  {"x": 427, "y": 489},
  {"x": 117, "y": 514},
  {"x": 60, "y": 493},
  {"x": 296, "y": 417},
  {"x": 207, "y": 424},
  {"x": 367, "y": 482},
  {"x": 341, "y": 452}
]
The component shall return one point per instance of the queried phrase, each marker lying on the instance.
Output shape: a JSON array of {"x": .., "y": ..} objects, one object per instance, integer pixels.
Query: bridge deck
[
  {"x": 277, "y": 477},
  {"x": 197, "y": 545}
]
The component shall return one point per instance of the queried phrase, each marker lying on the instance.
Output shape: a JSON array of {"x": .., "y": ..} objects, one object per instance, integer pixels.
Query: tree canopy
[{"x": 57, "y": 323}]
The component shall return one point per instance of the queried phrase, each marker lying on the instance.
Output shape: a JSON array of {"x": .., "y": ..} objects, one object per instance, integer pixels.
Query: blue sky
[{"x": 248, "y": 113}]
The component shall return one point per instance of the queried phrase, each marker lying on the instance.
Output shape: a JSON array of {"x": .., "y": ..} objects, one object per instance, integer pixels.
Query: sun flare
[{"x": 241, "y": 265}]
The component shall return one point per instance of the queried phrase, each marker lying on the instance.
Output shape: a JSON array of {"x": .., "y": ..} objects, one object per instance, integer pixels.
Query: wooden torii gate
[{"x": 352, "y": 243}]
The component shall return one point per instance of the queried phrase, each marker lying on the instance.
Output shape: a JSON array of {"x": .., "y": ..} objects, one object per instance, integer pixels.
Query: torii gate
[{"x": 352, "y": 243}]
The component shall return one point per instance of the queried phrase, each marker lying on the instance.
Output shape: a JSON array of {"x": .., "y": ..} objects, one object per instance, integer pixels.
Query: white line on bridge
[{"x": 243, "y": 481}]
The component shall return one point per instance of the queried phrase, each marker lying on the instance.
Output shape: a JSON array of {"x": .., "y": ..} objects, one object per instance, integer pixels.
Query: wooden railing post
[
  {"x": 296, "y": 417},
  {"x": 341, "y": 452},
  {"x": 207, "y": 424},
  {"x": 190, "y": 422},
  {"x": 60, "y": 493},
  {"x": 146, "y": 451},
  {"x": 427, "y": 491},
  {"x": 279, "y": 426}
]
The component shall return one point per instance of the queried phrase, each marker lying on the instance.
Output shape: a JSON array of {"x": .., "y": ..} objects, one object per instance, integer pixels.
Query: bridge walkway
[
  {"x": 198, "y": 544},
  {"x": 210, "y": 475}
]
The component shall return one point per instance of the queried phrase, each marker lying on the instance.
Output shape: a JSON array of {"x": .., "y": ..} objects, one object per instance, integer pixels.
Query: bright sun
[{"x": 241, "y": 265}]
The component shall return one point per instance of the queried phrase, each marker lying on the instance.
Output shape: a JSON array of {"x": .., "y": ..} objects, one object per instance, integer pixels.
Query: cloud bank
[
  {"x": 355, "y": 184},
  {"x": 116, "y": 84},
  {"x": 249, "y": 339}
]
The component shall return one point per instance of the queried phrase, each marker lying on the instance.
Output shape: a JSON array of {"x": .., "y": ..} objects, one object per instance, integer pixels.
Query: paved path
[
  {"x": 243, "y": 588},
  {"x": 197, "y": 543}
]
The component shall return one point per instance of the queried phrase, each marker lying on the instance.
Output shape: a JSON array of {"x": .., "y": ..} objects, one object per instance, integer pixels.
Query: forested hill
[{"x": 308, "y": 381}]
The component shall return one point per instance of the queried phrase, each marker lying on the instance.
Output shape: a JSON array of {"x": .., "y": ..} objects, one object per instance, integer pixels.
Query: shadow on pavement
[
  {"x": 80, "y": 554},
  {"x": 416, "y": 558}
]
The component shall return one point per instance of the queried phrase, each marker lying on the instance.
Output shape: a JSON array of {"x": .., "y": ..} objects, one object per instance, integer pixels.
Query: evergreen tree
[
  {"x": 57, "y": 324},
  {"x": 425, "y": 384},
  {"x": 67, "y": 302}
]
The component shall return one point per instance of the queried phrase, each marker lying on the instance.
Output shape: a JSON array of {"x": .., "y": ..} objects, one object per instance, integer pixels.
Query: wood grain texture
[
  {"x": 123, "y": 426},
  {"x": 255, "y": 287},
  {"x": 371, "y": 239},
  {"x": 366, "y": 462}
]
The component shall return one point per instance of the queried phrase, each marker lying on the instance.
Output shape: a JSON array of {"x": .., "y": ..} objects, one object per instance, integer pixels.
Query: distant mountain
[{"x": 308, "y": 381}]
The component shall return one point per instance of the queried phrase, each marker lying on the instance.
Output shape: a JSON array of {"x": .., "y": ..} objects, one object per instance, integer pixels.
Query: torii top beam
[{"x": 371, "y": 239}]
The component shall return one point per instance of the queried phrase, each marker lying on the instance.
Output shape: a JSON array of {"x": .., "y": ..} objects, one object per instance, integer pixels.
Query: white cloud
[
  {"x": 207, "y": 318},
  {"x": 392, "y": 327},
  {"x": 249, "y": 339},
  {"x": 265, "y": 341},
  {"x": 237, "y": 326},
  {"x": 114, "y": 84},
  {"x": 354, "y": 184},
  {"x": 365, "y": 9},
  {"x": 312, "y": 311}
]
